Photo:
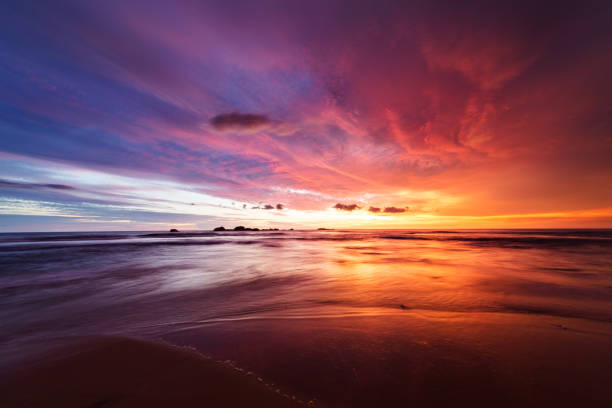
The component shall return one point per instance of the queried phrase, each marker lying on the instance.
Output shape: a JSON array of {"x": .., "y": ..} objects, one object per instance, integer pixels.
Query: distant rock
[
  {"x": 174, "y": 230},
  {"x": 324, "y": 229},
  {"x": 241, "y": 228}
]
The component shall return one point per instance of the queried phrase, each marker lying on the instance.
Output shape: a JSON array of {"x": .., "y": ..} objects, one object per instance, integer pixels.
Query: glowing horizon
[{"x": 140, "y": 115}]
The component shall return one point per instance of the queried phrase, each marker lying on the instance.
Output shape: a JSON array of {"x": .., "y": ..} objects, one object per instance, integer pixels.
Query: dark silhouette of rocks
[
  {"x": 243, "y": 228},
  {"x": 174, "y": 230}
]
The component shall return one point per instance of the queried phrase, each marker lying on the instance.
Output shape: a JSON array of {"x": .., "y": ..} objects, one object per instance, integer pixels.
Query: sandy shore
[
  {"x": 417, "y": 359},
  {"x": 121, "y": 372}
]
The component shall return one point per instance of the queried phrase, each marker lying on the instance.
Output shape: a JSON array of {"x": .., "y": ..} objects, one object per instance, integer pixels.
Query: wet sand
[
  {"x": 422, "y": 358},
  {"x": 122, "y": 372},
  {"x": 407, "y": 358}
]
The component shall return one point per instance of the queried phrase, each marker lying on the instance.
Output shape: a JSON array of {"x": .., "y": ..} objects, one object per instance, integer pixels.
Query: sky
[{"x": 149, "y": 115}]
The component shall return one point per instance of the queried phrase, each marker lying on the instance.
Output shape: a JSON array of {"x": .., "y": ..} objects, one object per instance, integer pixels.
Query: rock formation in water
[{"x": 243, "y": 228}]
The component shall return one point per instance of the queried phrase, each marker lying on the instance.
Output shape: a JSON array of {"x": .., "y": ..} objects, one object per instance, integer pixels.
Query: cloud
[
  {"x": 374, "y": 209},
  {"x": 239, "y": 121},
  {"x": 346, "y": 207},
  {"x": 394, "y": 210},
  {"x": 33, "y": 186},
  {"x": 472, "y": 94},
  {"x": 268, "y": 207}
]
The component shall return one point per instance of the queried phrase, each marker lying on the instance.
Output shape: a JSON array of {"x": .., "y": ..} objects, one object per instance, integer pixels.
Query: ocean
[{"x": 339, "y": 317}]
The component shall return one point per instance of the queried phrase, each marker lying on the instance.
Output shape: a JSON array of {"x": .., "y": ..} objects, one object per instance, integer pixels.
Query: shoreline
[
  {"x": 425, "y": 360},
  {"x": 120, "y": 371}
]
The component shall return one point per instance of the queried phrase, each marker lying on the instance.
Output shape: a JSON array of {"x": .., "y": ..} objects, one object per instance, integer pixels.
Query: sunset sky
[{"x": 146, "y": 115}]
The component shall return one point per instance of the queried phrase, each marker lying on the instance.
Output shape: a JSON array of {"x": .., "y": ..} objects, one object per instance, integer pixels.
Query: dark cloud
[
  {"x": 346, "y": 207},
  {"x": 394, "y": 210},
  {"x": 236, "y": 120},
  {"x": 33, "y": 186},
  {"x": 374, "y": 209},
  {"x": 268, "y": 207}
]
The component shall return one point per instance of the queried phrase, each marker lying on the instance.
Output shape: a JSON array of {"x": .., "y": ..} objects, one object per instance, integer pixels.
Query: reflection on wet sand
[
  {"x": 346, "y": 318},
  {"x": 421, "y": 358}
]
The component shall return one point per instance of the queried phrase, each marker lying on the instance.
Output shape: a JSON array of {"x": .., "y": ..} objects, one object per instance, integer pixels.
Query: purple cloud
[
  {"x": 346, "y": 207},
  {"x": 33, "y": 186},
  {"x": 238, "y": 121},
  {"x": 394, "y": 210}
]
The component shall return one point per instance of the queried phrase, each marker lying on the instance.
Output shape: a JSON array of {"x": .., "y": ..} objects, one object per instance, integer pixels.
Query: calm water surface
[{"x": 347, "y": 317}]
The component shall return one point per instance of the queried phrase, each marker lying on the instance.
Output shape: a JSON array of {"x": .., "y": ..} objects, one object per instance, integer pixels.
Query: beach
[
  {"x": 296, "y": 318},
  {"x": 121, "y": 372},
  {"x": 321, "y": 204}
]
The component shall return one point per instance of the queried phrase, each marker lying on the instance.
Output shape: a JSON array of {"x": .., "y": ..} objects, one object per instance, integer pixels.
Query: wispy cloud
[
  {"x": 33, "y": 186},
  {"x": 342, "y": 110}
]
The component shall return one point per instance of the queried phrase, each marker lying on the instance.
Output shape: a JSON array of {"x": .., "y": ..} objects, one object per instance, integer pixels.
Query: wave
[
  {"x": 65, "y": 237},
  {"x": 177, "y": 234},
  {"x": 126, "y": 245},
  {"x": 509, "y": 242}
]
